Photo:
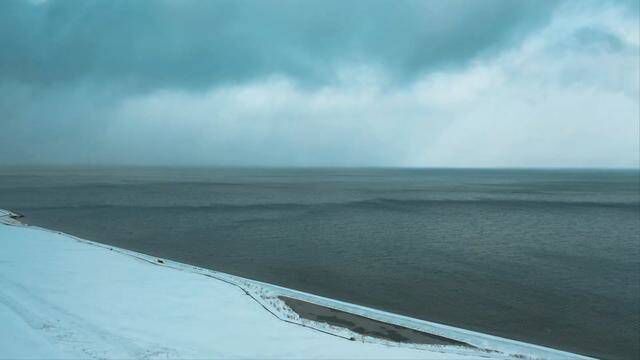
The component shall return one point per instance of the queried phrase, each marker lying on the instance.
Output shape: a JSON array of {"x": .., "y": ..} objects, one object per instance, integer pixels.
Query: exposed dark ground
[
  {"x": 547, "y": 257},
  {"x": 365, "y": 326}
]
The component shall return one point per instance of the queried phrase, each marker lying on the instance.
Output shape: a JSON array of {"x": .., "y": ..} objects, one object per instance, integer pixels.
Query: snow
[{"x": 64, "y": 297}]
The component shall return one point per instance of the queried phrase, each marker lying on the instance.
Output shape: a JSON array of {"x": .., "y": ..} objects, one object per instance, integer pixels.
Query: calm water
[{"x": 549, "y": 257}]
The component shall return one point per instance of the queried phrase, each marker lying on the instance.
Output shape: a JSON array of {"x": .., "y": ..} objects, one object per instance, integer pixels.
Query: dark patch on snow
[{"x": 365, "y": 326}]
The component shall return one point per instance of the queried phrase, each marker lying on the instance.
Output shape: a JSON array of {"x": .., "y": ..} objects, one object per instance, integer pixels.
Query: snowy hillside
[{"x": 63, "y": 297}]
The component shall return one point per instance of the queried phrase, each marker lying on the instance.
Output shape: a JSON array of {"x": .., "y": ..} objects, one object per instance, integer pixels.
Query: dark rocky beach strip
[{"x": 365, "y": 326}]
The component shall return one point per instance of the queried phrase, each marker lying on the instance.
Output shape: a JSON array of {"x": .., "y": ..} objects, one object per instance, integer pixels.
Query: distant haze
[{"x": 305, "y": 83}]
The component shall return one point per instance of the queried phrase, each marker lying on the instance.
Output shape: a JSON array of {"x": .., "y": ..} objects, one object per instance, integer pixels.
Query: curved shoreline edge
[{"x": 268, "y": 296}]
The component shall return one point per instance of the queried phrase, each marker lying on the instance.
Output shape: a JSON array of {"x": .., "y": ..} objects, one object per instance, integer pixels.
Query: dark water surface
[{"x": 548, "y": 257}]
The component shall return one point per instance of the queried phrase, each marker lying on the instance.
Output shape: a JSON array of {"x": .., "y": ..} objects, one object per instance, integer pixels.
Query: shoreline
[
  {"x": 270, "y": 297},
  {"x": 365, "y": 326}
]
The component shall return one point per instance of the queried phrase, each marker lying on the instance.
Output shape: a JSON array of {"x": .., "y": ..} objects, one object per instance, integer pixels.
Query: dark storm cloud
[
  {"x": 197, "y": 44},
  {"x": 322, "y": 82}
]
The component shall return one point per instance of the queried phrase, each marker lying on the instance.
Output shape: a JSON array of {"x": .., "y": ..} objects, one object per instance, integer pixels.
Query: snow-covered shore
[{"x": 64, "y": 297}]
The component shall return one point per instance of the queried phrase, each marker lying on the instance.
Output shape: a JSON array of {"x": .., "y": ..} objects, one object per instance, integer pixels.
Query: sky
[{"x": 429, "y": 83}]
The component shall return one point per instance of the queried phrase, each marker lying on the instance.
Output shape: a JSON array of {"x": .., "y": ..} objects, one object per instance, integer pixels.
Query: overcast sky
[{"x": 355, "y": 83}]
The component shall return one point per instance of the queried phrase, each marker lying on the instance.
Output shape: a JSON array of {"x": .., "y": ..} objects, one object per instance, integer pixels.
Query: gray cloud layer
[
  {"x": 394, "y": 83},
  {"x": 192, "y": 43}
]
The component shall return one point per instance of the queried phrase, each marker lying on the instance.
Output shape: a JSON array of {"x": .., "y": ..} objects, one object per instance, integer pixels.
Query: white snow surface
[{"x": 65, "y": 297}]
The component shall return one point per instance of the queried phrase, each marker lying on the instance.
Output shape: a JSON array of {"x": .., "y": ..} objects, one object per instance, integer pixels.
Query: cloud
[
  {"x": 196, "y": 44},
  {"x": 562, "y": 93}
]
